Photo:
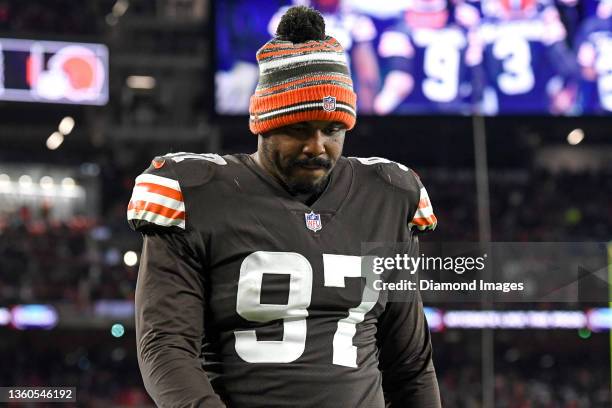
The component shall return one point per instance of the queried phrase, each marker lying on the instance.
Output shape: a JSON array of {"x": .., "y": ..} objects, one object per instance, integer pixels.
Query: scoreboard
[{"x": 53, "y": 72}]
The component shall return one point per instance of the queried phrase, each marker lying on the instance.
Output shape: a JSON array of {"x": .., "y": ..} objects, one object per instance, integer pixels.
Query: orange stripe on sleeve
[
  {"x": 162, "y": 190},
  {"x": 423, "y": 222},
  {"x": 157, "y": 209}
]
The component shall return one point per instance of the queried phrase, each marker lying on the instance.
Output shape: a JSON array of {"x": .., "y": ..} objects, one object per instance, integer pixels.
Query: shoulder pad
[
  {"x": 392, "y": 173},
  {"x": 157, "y": 198},
  {"x": 193, "y": 169},
  {"x": 404, "y": 178}
]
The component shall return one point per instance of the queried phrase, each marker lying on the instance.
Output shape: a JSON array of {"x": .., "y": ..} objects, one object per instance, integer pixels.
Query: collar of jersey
[{"x": 331, "y": 199}]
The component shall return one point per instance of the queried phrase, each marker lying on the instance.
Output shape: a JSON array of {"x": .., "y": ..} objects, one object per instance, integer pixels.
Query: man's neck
[{"x": 306, "y": 198}]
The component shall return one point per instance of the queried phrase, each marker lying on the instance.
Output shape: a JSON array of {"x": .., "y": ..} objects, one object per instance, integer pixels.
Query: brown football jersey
[{"x": 250, "y": 298}]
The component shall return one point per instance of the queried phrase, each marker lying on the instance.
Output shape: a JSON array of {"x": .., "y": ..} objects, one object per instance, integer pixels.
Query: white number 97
[
  {"x": 336, "y": 268},
  {"x": 293, "y": 314}
]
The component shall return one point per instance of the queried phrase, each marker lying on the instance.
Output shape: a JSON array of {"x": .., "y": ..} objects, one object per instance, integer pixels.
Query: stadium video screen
[
  {"x": 53, "y": 72},
  {"x": 457, "y": 57}
]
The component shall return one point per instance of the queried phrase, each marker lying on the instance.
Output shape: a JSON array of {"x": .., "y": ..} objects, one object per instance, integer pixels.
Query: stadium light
[
  {"x": 25, "y": 317},
  {"x": 5, "y": 183},
  {"x": 130, "y": 258},
  {"x": 25, "y": 181},
  {"x": 68, "y": 182},
  {"x": 66, "y": 126},
  {"x": 5, "y": 316},
  {"x": 120, "y": 8},
  {"x": 117, "y": 330},
  {"x": 111, "y": 20},
  {"x": 140, "y": 82},
  {"x": 55, "y": 140},
  {"x": 46, "y": 182},
  {"x": 575, "y": 137}
]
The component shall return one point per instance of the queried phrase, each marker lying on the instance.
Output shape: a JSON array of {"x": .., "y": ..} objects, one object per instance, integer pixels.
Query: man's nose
[{"x": 315, "y": 144}]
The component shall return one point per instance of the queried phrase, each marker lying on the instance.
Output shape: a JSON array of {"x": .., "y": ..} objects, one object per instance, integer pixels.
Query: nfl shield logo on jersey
[
  {"x": 329, "y": 103},
  {"x": 313, "y": 221}
]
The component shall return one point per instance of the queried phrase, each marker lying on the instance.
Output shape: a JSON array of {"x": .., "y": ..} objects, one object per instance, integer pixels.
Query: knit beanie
[{"x": 303, "y": 76}]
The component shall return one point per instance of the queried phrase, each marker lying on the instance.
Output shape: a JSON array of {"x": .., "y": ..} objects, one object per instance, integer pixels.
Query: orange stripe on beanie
[{"x": 303, "y": 75}]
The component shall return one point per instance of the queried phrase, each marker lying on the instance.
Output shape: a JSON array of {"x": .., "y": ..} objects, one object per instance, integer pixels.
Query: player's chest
[
  {"x": 268, "y": 292},
  {"x": 269, "y": 260},
  {"x": 238, "y": 225}
]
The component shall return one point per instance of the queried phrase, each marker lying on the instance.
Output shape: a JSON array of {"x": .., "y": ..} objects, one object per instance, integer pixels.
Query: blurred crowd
[
  {"x": 526, "y": 206},
  {"x": 584, "y": 387},
  {"x": 76, "y": 261},
  {"x": 532, "y": 370},
  {"x": 105, "y": 373}
]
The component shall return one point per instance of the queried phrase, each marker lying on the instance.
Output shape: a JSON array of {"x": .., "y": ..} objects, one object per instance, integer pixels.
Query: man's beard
[{"x": 299, "y": 186}]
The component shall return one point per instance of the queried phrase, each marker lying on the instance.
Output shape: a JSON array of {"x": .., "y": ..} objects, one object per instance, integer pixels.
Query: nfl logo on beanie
[{"x": 329, "y": 103}]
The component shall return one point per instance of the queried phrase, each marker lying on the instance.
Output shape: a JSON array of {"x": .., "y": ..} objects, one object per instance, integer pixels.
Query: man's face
[{"x": 303, "y": 154}]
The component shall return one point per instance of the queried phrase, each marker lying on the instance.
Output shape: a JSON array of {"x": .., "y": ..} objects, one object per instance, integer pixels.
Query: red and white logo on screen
[{"x": 74, "y": 72}]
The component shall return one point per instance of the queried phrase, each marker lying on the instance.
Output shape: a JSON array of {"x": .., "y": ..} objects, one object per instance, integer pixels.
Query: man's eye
[{"x": 332, "y": 130}]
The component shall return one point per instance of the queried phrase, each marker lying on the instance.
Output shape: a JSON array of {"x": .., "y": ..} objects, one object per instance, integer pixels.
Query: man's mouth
[{"x": 312, "y": 166}]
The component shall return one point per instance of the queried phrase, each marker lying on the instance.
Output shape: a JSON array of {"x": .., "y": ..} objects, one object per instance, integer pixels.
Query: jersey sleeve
[
  {"x": 405, "y": 351},
  {"x": 169, "y": 319},
  {"x": 424, "y": 218},
  {"x": 403, "y": 338},
  {"x": 170, "y": 298},
  {"x": 157, "y": 199}
]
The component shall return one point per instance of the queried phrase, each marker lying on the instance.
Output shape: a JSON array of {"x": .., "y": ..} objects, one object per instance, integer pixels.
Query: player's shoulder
[
  {"x": 392, "y": 173},
  {"x": 158, "y": 196},
  {"x": 191, "y": 169},
  {"x": 403, "y": 179}
]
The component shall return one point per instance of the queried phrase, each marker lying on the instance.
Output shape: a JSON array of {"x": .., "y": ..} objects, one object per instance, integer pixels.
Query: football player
[
  {"x": 251, "y": 291},
  {"x": 528, "y": 66},
  {"x": 428, "y": 62},
  {"x": 594, "y": 45}
]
